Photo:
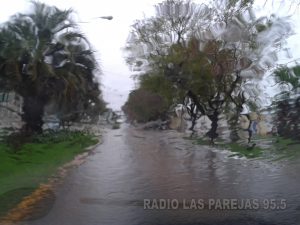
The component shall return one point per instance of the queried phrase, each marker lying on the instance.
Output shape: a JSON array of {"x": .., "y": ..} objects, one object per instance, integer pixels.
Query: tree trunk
[
  {"x": 33, "y": 111},
  {"x": 212, "y": 133},
  {"x": 194, "y": 122},
  {"x": 234, "y": 128}
]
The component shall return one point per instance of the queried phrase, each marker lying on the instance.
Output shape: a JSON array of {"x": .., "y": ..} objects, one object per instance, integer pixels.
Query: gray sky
[{"x": 109, "y": 36}]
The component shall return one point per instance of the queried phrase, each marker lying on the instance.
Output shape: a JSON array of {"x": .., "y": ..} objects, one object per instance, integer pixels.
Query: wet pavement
[{"x": 134, "y": 171}]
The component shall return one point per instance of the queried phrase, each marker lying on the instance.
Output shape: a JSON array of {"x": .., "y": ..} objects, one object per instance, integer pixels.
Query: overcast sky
[{"x": 109, "y": 36}]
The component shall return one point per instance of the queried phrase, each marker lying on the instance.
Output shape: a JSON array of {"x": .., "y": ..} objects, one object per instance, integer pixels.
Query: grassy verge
[
  {"x": 274, "y": 148},
  {"x": 243, "y": 151},
  {"x": 236, "y": 148},
  {"x": 285, "y": 148},
  {"x": 23, "y": 169}
]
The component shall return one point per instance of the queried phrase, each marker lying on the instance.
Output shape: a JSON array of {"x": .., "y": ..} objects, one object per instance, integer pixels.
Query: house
[{"x": 10, "y": 109}]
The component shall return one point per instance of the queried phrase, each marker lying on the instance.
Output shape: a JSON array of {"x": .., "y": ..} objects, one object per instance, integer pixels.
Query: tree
[
  {"x": 44, "y": 58},
  {"x": 143, "y": 106},
  {"x": 211, "y": 52},
  {"x": 288, "y": 101}
]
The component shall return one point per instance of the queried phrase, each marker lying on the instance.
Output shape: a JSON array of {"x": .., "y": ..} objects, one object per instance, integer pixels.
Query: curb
[{"x": 23, "y": 210}]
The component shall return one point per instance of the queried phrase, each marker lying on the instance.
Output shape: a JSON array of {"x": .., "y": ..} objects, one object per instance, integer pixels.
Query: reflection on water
[{"x": 133, "y": 165}]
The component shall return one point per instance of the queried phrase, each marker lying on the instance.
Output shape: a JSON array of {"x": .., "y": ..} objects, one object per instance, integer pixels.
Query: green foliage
[
  {"x": 45, "y": 59},
  {"x": 287, "y": 118},
  {"x": 210, "y": 53},
  {"x": 243, "y": 151},
  {"x": 192, "y": 70},
  {"x": 16, "y": 141},
  {"x": 35, "y": 161},
  {"x": 288, "y": 103},
  {"x": 11, "y": 198},
  {"x": 287, "y": 75},
  {"x": 260, "y": 27},
  {"x": 158, "y": 84},
  {"x": 286, "y": 148},
  {"x": 144, "y": 105},
  {"x": 159, "y": 94},
  {"x": 242, "y": 3},
  {"x": 61, "y": 136},
  {"x": 237, "y": 149}
]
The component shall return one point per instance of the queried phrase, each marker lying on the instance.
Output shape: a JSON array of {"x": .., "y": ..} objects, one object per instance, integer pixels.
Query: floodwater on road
[{"x": 133, "y": 173}]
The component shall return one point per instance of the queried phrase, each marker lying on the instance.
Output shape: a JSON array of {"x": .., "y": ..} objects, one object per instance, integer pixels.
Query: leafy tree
[
  {"x": 288, "y": 103},
  {"x": 143, "y": 106},
  {"x": 288, "y": 76},
  {"x": 211, "y": 52},
  {"x": 160, "y": 85},
  {"x": 44, "y": 58}
]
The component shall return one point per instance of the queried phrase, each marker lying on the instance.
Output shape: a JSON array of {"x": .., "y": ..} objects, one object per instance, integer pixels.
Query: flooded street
[{"x": 132, "y": 165}]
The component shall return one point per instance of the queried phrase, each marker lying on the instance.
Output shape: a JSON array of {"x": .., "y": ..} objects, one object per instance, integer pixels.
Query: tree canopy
[
  {"x": 213, "y": 53},
  {"x": 46, "y": 59}
]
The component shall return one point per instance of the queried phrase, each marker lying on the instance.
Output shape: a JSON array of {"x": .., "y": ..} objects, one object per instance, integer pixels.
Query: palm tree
[
  {"x": 44, "y": 58},
  {"x": 77, "y": 65}
]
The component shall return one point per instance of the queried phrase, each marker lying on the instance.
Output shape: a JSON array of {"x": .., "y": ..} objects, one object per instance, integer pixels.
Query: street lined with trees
[{"x": 209, "y": 65}]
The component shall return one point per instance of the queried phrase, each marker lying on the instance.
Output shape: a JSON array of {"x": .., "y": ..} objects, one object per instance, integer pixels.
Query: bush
[
  {"x": 158, "y": 84},
  {"x": 288, "y": 120},
  {"x": 16, "y": 140},
  {"x": 143, "y": 106}
]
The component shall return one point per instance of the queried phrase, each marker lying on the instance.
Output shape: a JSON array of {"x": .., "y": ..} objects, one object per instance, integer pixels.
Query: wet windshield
[{"x": 150, "y": 112}]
